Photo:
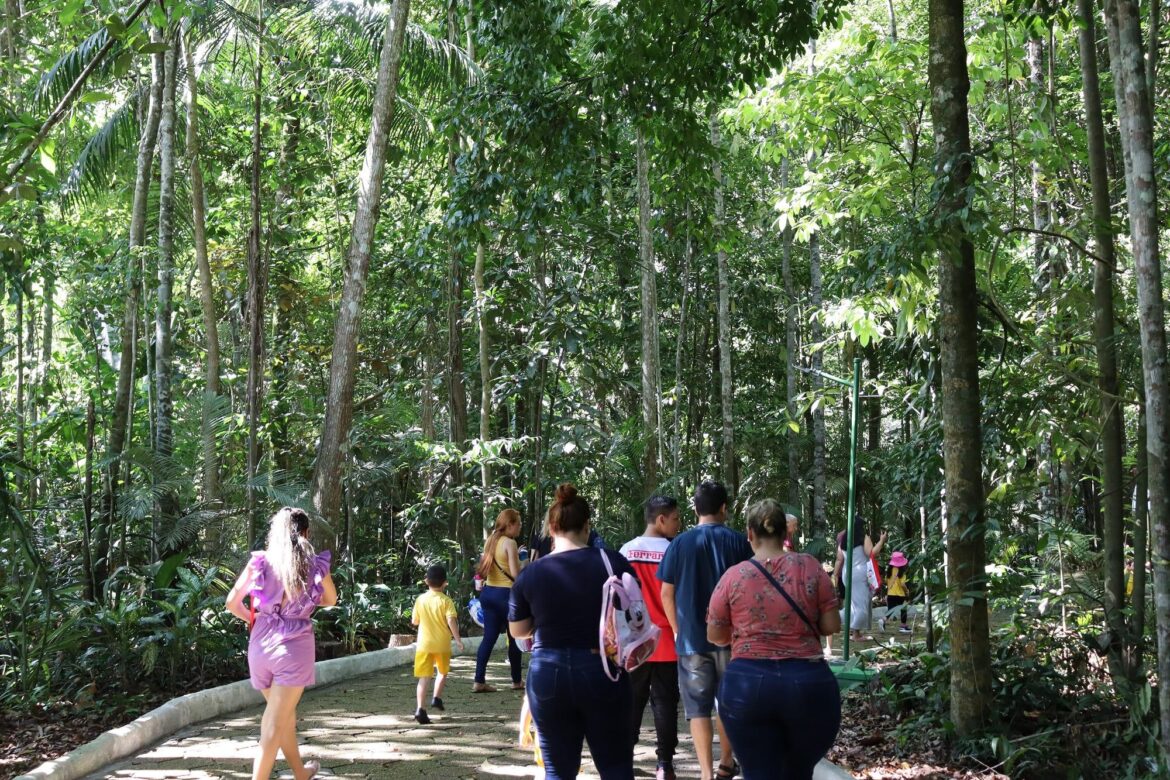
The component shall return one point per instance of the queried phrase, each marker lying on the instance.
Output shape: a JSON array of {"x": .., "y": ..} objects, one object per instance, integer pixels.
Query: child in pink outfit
[
  {"x": 285, "y": 583},
  {"x": 281, "y": 648}
]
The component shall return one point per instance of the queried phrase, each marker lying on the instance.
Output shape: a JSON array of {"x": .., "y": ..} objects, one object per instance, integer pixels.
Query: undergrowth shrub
[{"x": 1057, "y": 714}]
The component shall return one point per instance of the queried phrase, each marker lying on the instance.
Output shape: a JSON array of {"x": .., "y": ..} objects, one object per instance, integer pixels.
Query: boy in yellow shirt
[{"x": 434, "y": 614}]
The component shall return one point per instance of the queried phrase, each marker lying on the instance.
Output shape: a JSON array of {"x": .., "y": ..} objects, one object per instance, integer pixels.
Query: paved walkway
[{"x": 363, "y": 728}]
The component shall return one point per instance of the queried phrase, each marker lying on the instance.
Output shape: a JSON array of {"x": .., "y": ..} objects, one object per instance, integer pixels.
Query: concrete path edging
[
  {"x": 827, "y": 771},
  {"x": 118, "y": 743},
  {"x": 158, "y": 724}
]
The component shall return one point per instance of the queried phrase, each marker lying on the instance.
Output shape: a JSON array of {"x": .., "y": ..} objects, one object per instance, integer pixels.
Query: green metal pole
[{"x": 856, "y": 388}]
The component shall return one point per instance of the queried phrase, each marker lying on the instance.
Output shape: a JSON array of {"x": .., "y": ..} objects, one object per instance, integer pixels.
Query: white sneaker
[
  {"x": 882, "y": 623},
  {"x": 905, "y": 629}
]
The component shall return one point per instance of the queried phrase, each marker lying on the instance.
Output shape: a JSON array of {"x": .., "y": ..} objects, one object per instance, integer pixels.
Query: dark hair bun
[{"x": 566, "y": 493}]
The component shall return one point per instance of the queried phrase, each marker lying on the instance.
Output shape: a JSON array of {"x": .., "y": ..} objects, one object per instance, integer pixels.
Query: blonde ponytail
[{"x": 289, "y": 553}]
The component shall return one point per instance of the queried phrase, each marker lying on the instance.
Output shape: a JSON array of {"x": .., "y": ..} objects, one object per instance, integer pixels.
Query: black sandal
[{"x": 724, "y": 772}]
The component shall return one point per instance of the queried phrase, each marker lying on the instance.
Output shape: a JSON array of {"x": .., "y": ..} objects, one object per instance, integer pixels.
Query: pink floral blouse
[{"x": 763, "y": 625}]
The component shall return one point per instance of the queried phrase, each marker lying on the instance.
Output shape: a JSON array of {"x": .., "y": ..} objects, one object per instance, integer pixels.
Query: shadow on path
[{"x": 364, "y": 728}]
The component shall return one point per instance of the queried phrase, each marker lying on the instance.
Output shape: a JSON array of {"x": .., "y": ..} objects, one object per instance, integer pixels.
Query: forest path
[{"x": 364, "y": 728}]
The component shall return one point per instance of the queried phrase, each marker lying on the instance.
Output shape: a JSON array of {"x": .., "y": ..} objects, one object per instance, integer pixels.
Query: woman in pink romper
[{"x": 286, "y": 582}]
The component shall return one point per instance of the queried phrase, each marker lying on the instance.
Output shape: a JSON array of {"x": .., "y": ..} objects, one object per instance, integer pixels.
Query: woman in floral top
[{"x": 778, "y": 699}]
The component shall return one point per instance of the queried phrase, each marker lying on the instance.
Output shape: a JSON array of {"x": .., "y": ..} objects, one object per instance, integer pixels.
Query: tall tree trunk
[
  {"x": 816, "y": 355},
  {"x": 1154, "y": 48},
  {"x": 816, "y": 359},
  {"x": 211, "y": 488},
  {"x": 164, "y": 406},
  {"x": 283, "y": 265},
  {"x": 29, "y": 422},
  {"x": 41, "y": 399},
  {"x": 792, "y": 356},
  {"x": 456, "y": 387},
  {"x": 481, "y": 304},
  {"x": 873, "y": 440},
  {"x": 11, "y": 32},
  {"x": 257, "y": 289},
  {"x": 1141, "y": 527},
  {"x": 1112, "y": 422},
  {"x": 1049, "y": 467},
  {"x": 650, "y": 422},
  {"x": 430, "y": 378},
  {"x": 726, "y": 386},
  {"x": 680, "y": 384},
  {"x": 22, "y": 294},
  {"x": 971, "y": 693},
  {"x": 343, "y": 363},
  {"x": 1127, "y": 63},
  {"x": 89, "y": 589},
  {"x": 128, "y": 342}
]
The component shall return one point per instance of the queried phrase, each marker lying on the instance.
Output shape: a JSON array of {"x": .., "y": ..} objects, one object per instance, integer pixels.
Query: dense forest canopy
[{"x": 405, "y": 264}]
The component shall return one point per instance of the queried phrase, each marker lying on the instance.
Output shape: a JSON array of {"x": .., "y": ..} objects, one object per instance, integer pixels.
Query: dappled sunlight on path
[{"x": 363, "y": 728}]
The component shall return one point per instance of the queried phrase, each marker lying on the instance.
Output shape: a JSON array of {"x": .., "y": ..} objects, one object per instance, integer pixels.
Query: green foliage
[{"x": 526, "y": 150}]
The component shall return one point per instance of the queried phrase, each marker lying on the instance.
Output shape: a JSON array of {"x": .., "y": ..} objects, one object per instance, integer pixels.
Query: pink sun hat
[{"x": 898, "y": 559}]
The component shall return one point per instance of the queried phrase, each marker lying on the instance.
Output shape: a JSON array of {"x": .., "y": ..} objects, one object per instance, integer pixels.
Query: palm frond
[
  {"x": 99, "y": 158},
  {"x": 185, "y": 529},
  {"x": 159, "y": 475},
  {"x": 57, "y": 80},
  {"x": 431, "y": 62},
  {"x": 283, "y": 488},
  {"x": 411, "y": 127}
]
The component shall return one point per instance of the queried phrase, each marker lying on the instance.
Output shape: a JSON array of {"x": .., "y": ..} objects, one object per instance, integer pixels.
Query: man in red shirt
[{"x": 656, "y": 680}]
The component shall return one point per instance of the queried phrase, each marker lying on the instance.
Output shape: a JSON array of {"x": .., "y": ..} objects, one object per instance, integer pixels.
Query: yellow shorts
[{"x": 426, "y": 663}]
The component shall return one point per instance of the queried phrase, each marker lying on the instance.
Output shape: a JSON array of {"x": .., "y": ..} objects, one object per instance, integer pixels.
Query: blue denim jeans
[
  {"x": 781, "y": 716},
  {"x": 572, "y": 700},
  {"x": 495, "y": 622}
]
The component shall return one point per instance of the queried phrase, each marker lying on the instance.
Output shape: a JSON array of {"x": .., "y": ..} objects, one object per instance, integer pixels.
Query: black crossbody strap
[
  {"x": 796, "y": 608},
  {"x": 503, "y": 571}
]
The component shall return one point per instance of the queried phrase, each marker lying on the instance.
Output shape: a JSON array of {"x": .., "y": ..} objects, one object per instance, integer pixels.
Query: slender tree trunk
[
  {"x": 11, "y": 31},
  {"x": 257, "y": 288},
  {"x": 1154, "y": 47},
  {"x": 816, "y": 356},
  {"x": 791, "y": 357},
  {"x": 971, "y": 693},
  {"x": 164, "y": 406},
  {"x": 49, "y": 291},
  {"x": 211, "y": 489},
  {"x": 650, "y": 422},
  {"x": 431, "y": 376},
  {"x": 1112, "y": 422},
  {"x": 283, "y": 265},
  {"x": 1127, "y": 63},
  {"x": 343, "y": 364},
  {"x": 29, "y": 423},
  {"x": 481, "y": 305},
  {"x": 22, "y": 294},
  {"x": 123, "y": 398},
  {"x": 456, "y": 383},
  {"x": 1050, "y": 508},
  {"x": 1141, "y": 528},
  {"x": 726, "y": 385},
  {"x": 680, "y": 385},
  {"x": 816, "y": 300},
  {"x": 89, "y": 588}
]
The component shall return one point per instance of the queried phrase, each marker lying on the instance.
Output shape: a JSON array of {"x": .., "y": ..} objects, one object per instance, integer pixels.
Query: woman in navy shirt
[{"x": 557, "y": 601}]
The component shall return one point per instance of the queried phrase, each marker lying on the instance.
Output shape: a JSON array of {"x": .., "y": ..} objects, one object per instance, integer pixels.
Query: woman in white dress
[{"x": 860, "y": 596}]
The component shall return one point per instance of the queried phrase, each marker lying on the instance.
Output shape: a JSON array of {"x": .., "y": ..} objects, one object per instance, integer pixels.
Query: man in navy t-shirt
[{"x": 690, "y": 570}]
